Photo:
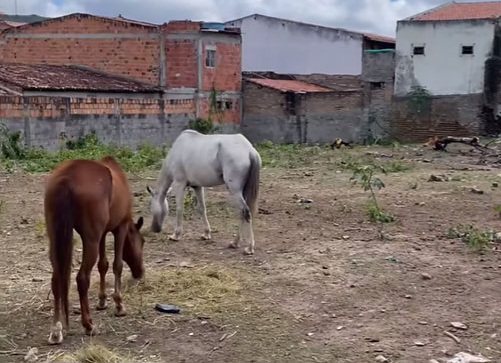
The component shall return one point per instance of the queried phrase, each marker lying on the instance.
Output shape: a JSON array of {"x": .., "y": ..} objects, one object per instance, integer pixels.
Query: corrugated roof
[
  {"x": 45, "y": 77},
  {"x": 286, "y": 85},
  {"x": 379, "y": 38},
  {"x": 461, "y": 11}
]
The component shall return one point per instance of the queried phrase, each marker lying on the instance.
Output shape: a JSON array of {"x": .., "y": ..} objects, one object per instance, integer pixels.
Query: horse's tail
[
  {"x": 251, "y": 188},
  {"x": 62, "y": 245}
]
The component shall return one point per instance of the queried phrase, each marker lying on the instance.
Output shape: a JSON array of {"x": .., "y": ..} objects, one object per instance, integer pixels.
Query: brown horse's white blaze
[{"x": 92, "y": 198}]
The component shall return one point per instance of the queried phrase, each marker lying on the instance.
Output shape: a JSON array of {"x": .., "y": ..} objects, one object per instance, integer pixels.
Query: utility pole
[{"x": 15, "y": 7}]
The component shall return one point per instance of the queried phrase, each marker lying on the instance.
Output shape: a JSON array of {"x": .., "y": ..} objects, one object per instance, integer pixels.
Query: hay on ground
[
  {"x": 205, "y": 289},
  {"x": 92, "y": 353}
]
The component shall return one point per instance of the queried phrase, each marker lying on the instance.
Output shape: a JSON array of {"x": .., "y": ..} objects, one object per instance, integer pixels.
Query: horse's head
[
  {"x": 158, "y": 208},
  {"x": 133, "y": 249}
]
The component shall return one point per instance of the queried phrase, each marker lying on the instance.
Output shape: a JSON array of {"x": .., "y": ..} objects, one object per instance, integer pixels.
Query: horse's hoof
[
  {"x": 120, "y": 312},
  {"x": 55, "y": 338},
  {"x": 248, "y": 251},
  {"x": 102, "y": 305},
  {"x": 205, "y": 237},
  {"x": 56, "y": 334},
  {"x": 233, "y": 245},
  {"x": 173, "y": 238},
  {"x": 92, "y": 331}
]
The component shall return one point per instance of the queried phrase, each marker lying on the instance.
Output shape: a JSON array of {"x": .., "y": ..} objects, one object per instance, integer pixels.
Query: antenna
[{"x": 15, "y": 7}]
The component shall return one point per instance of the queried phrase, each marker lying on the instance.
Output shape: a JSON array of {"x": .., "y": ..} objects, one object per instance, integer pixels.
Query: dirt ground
[{"x": 322, "y": 286}]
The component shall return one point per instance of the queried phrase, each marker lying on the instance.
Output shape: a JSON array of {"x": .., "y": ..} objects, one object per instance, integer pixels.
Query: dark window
[
  {"x": 467, "y": 49},
  {"x": 418, "y": 51},
  {"x": 378, "y": 85},
  {"x": 210, "y": 58},
  {"x": 290, "y": 103}
]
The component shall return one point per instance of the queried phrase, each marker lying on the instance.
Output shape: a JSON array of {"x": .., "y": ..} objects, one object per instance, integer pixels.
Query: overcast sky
[{"x": 376, "y": 16}]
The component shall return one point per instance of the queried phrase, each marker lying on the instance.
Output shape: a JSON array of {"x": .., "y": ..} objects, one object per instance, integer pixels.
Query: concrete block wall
[
  {"x": 45, "y": 121},
  {"x": 320, "y": 117}
]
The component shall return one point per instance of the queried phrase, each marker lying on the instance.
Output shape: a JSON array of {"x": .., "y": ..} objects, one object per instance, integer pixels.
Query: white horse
[{"x": 197, "y": 160}]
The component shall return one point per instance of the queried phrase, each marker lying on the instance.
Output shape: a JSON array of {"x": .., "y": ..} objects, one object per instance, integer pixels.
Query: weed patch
[
  {"x": 289, "y": 156},
  {"x": 474, "y": 238},
  {"x": 365, "y": 176}
]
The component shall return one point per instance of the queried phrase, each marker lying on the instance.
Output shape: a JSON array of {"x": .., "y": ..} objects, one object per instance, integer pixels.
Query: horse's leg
[
  {"x": 236, "y": 241},
  {"x": 249, "y": 250},
  {"x": 199, "y": 192},
  {"x": 102, "y": 266},
  {"x": 56, "y": 331},
  {"x": 179, "y": 190},
  {"x": 89, "y": 256},
  {"x": 245, "y": 223},
  {"x": 119, "y": 234}
]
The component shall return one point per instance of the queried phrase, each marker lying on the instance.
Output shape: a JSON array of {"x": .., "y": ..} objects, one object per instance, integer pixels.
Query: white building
[
  {"x": 291, "y": 47},
  {"x": 445, "y": 48}
]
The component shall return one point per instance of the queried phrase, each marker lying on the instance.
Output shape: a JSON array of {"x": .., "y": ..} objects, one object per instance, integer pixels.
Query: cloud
[{"x": 376, "y": 16}]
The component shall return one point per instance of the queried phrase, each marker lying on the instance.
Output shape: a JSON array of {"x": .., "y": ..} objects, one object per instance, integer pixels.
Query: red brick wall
[
  {"x": 80, "y": 24},
  {"x": 134, "y": 57},
  {"x": 11, "y": 107},
  {"x": 182, "y": 26},
  {"x": 182, "y": 65},
  {"x": 137, "y": 58},
  {"x": 457, "y": 115},
  {"x": 231, "y": 115},
  {"x": 102, "y": 45},
  {"x": 227, "y": 74}
]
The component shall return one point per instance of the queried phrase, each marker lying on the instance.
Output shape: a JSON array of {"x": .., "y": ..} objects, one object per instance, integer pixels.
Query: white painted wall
[
  {"x": 270, "y": 44},
  {"x": 443, "y": 70}
]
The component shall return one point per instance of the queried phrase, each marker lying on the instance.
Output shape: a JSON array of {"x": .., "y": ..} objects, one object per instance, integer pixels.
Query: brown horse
[{"x": 93, "y": 197}]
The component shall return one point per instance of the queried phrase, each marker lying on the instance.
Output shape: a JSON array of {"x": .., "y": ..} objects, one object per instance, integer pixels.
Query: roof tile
[
  {"x": 47, "y": 77},
  {"x": 286, "y": 85},
  {"x": 462, "y": 11}
]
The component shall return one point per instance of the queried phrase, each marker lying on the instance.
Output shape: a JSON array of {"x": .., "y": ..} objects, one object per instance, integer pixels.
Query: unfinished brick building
[{"x": 181, "y": 63}]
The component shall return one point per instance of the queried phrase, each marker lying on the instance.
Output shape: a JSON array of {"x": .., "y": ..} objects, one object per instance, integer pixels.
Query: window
[
  {"x": 210, "y": 57},
  {"x": 378, "y": 85},
  {"x": 224, "y": 105},
  {"x": 418, "y": 50},
  {"x": 467, "y": 49}
]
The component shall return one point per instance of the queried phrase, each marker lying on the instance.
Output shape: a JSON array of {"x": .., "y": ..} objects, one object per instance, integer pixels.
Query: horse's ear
[
  {"x": 149, "y": 190},
  {"x": 139, "y": 223}
]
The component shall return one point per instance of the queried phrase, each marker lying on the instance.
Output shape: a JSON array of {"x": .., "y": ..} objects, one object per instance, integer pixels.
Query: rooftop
[
  {"x": 287, "y": 85},
  {"x": 370, "y": 36},
  {"x": 460, "y": 11},
  {"x": 45, "y": 77},
  {"x": 10, "y": 23}
]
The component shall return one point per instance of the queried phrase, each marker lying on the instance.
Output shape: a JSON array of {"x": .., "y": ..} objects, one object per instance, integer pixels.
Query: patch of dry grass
[
  {"x": 40, "y": 230},
  {"x": 92, "y": 353},
  {"x": 201, "y": 290}
]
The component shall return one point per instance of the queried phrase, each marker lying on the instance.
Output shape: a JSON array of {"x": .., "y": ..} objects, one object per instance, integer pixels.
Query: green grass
[
  {"x": 290, "y": 156},
  {"x": 474, "y": 238},
  {"x": 14, "y": 154}
]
